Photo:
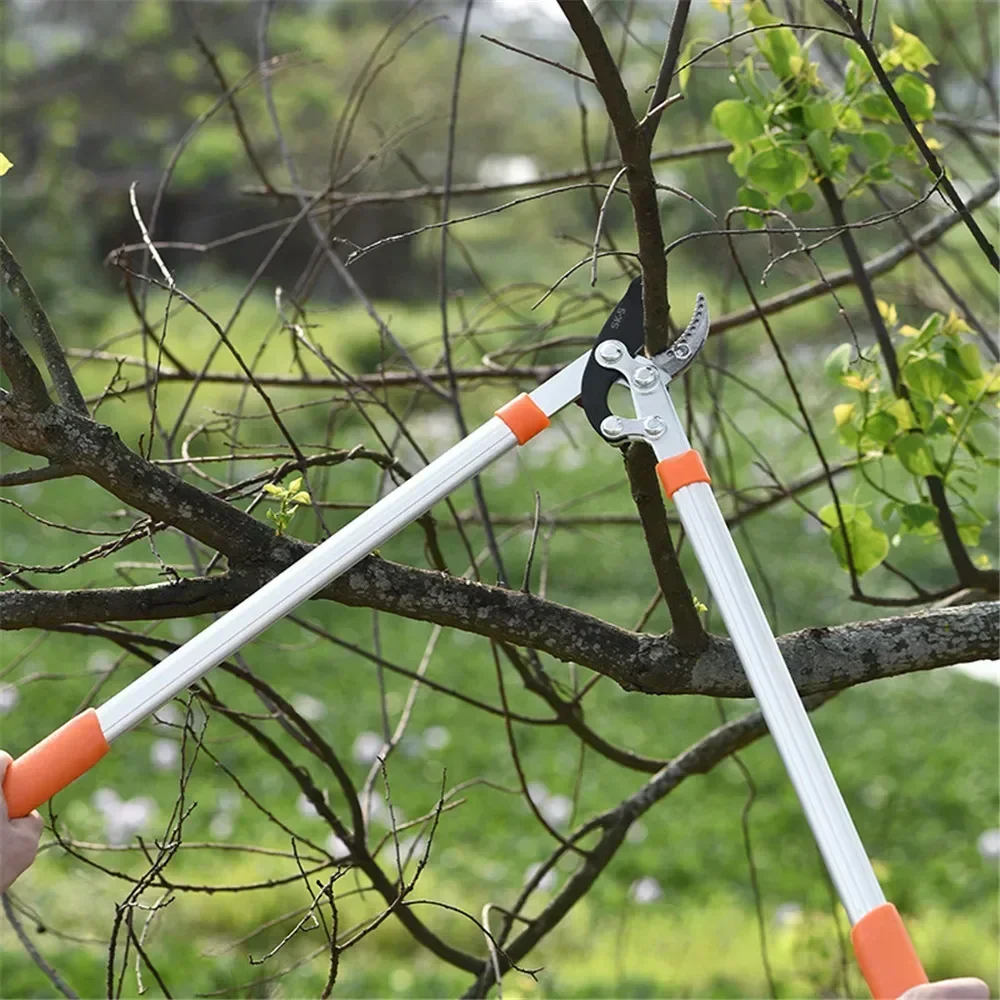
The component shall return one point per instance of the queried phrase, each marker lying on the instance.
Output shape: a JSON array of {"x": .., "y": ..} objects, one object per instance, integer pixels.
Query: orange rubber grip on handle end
[
  {"x": 51, "y": 765},
  {"x": 885, "y": 953}
]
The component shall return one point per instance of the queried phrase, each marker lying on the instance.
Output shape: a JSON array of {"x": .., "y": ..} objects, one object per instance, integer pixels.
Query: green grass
[{"x": 916, "y": 757}]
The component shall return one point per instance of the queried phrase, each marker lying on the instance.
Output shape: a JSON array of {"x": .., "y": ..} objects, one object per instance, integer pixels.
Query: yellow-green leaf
[
  {"x": 275, "y": 491},
  {"x": 842, "y": 413},
  {"x": 888, "y": 312},
  {"x": 5, "y": 164},
  {"x": 720, "y": 5},
  {"x": 913, "y": 54},
  {"x": 869, "y": 545},
  {"x": 914, "y": 454},
  {"x": 737, "y": 121},
  {"x": 302, "y": 497},
  {"x": 917, "y": 95},
  {"x": 295, "y": 485}
]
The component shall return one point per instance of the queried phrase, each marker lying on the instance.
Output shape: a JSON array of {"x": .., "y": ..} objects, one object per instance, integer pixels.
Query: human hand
[
  {"x": 949, "y": 989},
  {"x": 18, "y": 837}
]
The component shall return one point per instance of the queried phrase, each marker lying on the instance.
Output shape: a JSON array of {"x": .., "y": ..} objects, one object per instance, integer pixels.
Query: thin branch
[{"x": 42, "y": 330}]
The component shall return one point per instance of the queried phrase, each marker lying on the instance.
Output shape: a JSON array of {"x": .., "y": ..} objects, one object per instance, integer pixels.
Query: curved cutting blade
[{"x": 685, "y": 348}]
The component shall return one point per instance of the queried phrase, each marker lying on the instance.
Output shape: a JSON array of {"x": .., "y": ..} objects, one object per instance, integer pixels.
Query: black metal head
[{"x": 624, "y": 324}]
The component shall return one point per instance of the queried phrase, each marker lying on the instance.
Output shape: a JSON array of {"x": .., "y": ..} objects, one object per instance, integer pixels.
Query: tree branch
[
  {"x": 25, "y": 378},
  {"x": 41, "y": 328},
  {"x": 820, "y": 659}
]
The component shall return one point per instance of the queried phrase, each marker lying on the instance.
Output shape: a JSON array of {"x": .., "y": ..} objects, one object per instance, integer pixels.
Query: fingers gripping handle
[{"x": 51, "y": 765}]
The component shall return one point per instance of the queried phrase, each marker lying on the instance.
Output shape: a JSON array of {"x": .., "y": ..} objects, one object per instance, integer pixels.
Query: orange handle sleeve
[
  {"x": 51, "y": 765},
  {"x": 524, "y": 417},
  {"x": 885, "y": 953},
  {"x": 681, "y": 470}
]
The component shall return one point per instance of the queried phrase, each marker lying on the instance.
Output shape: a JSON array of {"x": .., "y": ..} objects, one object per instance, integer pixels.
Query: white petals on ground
[
  {"x": 9, "y": 696},
  {"x": 164, "y": 754},
  {"x": 367, "y": 747},
  {"x": 788, "y": 915},
  {"x": 988, "y": 845},
  {"x": 311, "y": 709},
  {"x": 123, "y": 818},
  {"x": 637, "y": 833},
  {"x": 547, "y": 882},
  {"x": 436, "y": 738},
  {"x": 645, "y": 890},
  {"x": 555, "y": 809},
  {"x": 337, "y": 849}
]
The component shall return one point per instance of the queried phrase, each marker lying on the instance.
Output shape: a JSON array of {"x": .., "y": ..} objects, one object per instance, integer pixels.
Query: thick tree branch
[
  {"x": 81, "y": 445},
  {"x": 688, "y": 632},
  {"x": 820, "y": 659},
  {"x": 634, "y": 143},
  {"x": 41, "y": 328},
  {"x": 25, "y": 379}
]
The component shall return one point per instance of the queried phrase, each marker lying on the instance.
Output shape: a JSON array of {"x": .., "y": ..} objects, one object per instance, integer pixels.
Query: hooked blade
[{"x": 676, "y": 358}]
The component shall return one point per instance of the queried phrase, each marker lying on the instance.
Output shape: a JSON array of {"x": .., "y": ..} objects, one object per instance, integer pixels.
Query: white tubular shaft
[
  {"x": 310, "y": 574},
  {"x": 786, "y": 717}
]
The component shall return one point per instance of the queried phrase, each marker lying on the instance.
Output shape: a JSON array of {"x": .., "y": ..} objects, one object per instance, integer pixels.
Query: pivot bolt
[
  {"x": 644, "y": 377},
  {"x": 612, "y": 427},
  {"x": 681, "y": 351},
  {"x": 653, "y": 426},
  {"x": 610, "y": 351}
]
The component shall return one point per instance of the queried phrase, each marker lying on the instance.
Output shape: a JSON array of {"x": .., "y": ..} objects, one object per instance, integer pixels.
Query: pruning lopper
[{"x": 883, "y": 949}]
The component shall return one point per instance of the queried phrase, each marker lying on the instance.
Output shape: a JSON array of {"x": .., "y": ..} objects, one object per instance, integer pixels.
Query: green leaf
[
  {"x": 913, "y": 54},
  {"x": 687, "y": 53},
  {"x": 880, "y": 427},
  {"x": 877, "y": 144},
  {"x": 778, "y": 46},
  {"x": 738, "y": 160},
  {"x": 917, "y": 95},
  {"x": 275, "y": 491},
  {"x": 737, "y": 121},
  {"x": 969, "y": 533},
  {"x": 869, "y": 545},
  {"x": 819, "y": 145},
  {"x": 295, "y": 485},
  {"x": 849, "y": 121},
  {"x": 879, "y": 107},
  {"x": 778, "y": 171},
  {"x": 5, "y": 164},
  {"x": 820, "y": 114},
  {"x": 929, "y": 378},
  {"x": 800, "y": 201},
  {"x": 302, "y": 497},
  {"x": 914, "y": 455},
  {"x": 880, "y": 173},
  {"x": 753, "y": 199},
  {"x": 919, "y": 518},
  {"x": 837, "y": 362}
]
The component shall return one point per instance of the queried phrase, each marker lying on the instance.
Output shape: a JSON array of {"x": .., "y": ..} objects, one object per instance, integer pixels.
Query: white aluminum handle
[{"x": 780, "y": 704}]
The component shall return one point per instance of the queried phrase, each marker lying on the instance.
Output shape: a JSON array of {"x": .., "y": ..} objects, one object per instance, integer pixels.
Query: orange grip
[
  {"x": 682, "y": 470},
  {"x": 51, "y": 765},
  {"x": 885, "y": 954},
  {"x": 524, "y": 417}
]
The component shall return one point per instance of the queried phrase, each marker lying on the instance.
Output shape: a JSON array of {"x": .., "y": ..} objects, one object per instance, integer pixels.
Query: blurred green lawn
[{"x": 917, "y": 757}]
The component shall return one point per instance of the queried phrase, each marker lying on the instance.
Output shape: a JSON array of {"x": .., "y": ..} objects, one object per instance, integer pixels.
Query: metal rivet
[
  {"x": 610, "y": 350},
  {"x": 681, "y": 351},
  {"x": 653, "y": 426},
  {"x": 644, "y": 377},
  {"x": 612, "y": 427}
]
